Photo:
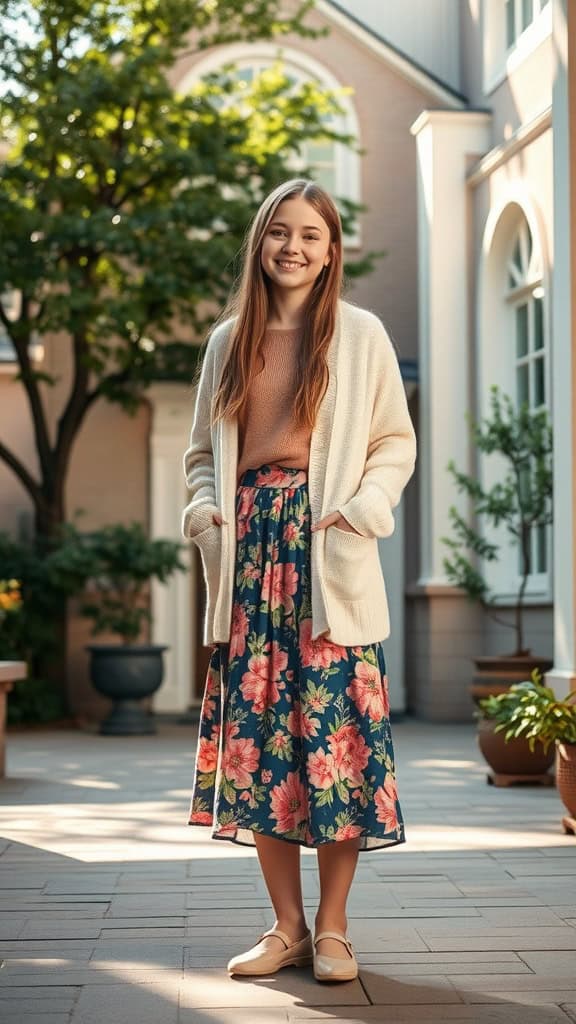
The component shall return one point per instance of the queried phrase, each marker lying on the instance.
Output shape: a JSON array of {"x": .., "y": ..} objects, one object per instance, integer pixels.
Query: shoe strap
[
  {"x": 335, "y": 935},
  {"x": 281, "y": 935}
]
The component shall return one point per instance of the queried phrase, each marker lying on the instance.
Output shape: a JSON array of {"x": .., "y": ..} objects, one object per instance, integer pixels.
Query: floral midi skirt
[{"x": 294, "y": 737}]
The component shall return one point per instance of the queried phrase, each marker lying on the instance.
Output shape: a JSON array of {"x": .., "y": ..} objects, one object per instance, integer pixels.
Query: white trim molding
[
  {"x": 172, "y": 602},
  {"x": 501, "y": 61}
]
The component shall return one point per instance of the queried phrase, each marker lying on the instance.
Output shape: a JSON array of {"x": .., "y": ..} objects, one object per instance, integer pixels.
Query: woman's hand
[
  {"x": 217, "y": 518},
  {"x": 335, "y": 519}
]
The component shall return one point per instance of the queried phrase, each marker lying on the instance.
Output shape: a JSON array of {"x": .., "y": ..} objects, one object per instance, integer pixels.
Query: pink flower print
[
  {"x": 288, "y": 801},
  {"x": 366, "y": 691},
  {"x": 347, "y": 832},
  {"x": 279, "y": 741},
  {"x": 266, "y": 775},
  {"x": 300, "y": 724},
  {"x": 273, "y": 476},
  {"x": 385, "y": 696},
  {"x": 321, "y": 768},
  {"x": 239, "y": 761},
  {"x": 201, "y": 818},
  {"x": 279, "y": 584},
  {"x": 350, "y": 753},
  {"x": 291, "y": 532},
  {"x": 278, "y": 662},
  {"x": 385, "y": 799},
  {"x": 207, "y": 755},
  {"x": 319, "y": 653},
  {"x": 277, "y": 503},
  {"x": 250, "y": 572},
  {"x": 259, "y": 684},
  {"x": 238, "y": 631},
  {"x": 231, "y": 729}
]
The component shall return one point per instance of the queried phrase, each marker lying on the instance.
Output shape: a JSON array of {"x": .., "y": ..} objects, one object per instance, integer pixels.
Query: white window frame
[
  {"x": 526, "y": 291},
  {"x": 496, "y": 364},
  {"x": 347, "y": 162},
  {"x": 501, "y": 60}
]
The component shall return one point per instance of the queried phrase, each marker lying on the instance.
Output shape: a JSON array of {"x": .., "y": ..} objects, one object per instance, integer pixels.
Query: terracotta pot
[
  {"x": 566, "y": 775},
  {"x": 513, "y": 757},
  {"x": 495, "y": 674}
]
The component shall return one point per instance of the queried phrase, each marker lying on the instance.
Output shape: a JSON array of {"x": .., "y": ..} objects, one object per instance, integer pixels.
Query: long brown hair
[{"x": 250, "y": 302}]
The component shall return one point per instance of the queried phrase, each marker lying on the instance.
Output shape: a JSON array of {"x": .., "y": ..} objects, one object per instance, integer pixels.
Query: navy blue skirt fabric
[{"x": 294, "y": 736}]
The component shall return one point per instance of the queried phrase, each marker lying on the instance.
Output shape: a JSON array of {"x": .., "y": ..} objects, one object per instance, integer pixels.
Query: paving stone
[
  {"x": 384, "y": 988},
  {"x": 214, "y": 988},
  {"x": 550, "y": 962},
  {"x": 441, "y": 1012},
  {"x": 110, "y": 899},
  {"x": 155, "y": 1003}
]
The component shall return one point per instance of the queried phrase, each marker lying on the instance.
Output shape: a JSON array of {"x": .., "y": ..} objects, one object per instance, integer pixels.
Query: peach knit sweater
[{"x": 268, "y": 432}]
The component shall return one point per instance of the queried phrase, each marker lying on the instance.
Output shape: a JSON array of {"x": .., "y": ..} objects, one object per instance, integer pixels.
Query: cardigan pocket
[{"x": 352, "y": 564}]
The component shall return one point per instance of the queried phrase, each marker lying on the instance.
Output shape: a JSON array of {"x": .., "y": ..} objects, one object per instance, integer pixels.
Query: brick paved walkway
[{"x": 113, "y": 912}]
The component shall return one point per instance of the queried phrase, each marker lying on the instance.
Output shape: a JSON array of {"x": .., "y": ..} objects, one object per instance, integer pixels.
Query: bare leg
[
  {"x": 280, "y": 864},
  {"x": 336, "y": 866}
]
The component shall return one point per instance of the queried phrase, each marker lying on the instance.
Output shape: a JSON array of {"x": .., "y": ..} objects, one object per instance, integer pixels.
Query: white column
[
  {"x": 444, "y": 140},
  {"x": 562, "y": 677},
  {"x": 172, "y": 602}
]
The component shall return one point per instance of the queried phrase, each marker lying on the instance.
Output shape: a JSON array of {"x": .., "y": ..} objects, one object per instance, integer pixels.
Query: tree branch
[{"x": 23, "y": 475}]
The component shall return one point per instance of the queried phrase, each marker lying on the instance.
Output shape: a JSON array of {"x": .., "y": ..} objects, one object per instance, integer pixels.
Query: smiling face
[{"x": 296, "y": 245}]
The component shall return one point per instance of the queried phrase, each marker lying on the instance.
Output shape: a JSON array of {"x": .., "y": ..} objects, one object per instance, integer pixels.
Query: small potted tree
[
  {"x": 117, "y": 600},
  {"x": 520, "y": 502},
  {"x": 530, "y": 714}
]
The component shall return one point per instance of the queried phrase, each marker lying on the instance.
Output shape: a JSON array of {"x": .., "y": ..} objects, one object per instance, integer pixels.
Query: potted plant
[
  {"x": 531, "y": 712},
  {"x": 521, "y": 502},
  {"x": 125, "y": 560}
]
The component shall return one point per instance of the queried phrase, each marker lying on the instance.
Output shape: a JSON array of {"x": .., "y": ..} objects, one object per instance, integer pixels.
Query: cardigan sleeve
[
  {"x": 199, "y": 456},
  {"x": 391, "y": 455}
]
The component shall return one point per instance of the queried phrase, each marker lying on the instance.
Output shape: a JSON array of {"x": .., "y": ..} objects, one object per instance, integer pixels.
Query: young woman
[{"x": 301, "y": 446}]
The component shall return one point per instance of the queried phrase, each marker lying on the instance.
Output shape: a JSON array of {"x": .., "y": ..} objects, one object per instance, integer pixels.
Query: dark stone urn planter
[{"x": 126, "y": 673}]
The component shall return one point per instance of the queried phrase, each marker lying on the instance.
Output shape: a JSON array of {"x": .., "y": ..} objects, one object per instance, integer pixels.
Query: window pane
[
  {"x": 541, "y": 552},
  {"x": 517, "y": 254},
  {"x": 539, "y": 387},
  {"x": 7, "y": 353},
  {"x": 522, "y": 384},
  {"x": 510, "y": 32},
  {"x": 326, "y": 177},
  {"x": 521, "y": 331},
  {"x": 526, "y": 13},
  {"x": 538, "y": 324},
  {"x": 320, "y": 152}
]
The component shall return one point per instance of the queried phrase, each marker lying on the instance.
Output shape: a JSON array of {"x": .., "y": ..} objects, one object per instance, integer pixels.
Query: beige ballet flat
[
  {"x": 260, "y": 960},
  {"x": 331, "y": 968}
]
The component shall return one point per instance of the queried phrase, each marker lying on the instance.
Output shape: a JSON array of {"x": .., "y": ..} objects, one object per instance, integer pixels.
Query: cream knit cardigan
[{"x": 362, "y": 454}]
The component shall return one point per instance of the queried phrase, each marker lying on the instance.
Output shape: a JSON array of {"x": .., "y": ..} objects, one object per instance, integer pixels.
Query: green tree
[
  {"x": 520, "y": 502},
  {"x": 123, "y": 202}
]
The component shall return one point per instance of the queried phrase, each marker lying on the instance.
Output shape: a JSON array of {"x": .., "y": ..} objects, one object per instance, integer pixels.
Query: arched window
[
  {"x": 334, "y": 165},
  {"x": 513, "y": 351},
  {"x": 529, "y": 346}
]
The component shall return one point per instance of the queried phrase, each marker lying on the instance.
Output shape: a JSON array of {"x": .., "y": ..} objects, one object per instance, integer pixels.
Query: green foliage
[
  {"x": 519, "y": 502},
  {"x": 531, "y": 710},
  {"x": 47, "y": 575},
  {"x": 124, "y": 560},
  {"x": 122, "y": 201},
  {"x": 34, "y": 700}
]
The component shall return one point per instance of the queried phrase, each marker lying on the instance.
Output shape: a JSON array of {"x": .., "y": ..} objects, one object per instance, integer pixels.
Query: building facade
[{"x": 461, "y": 110}]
